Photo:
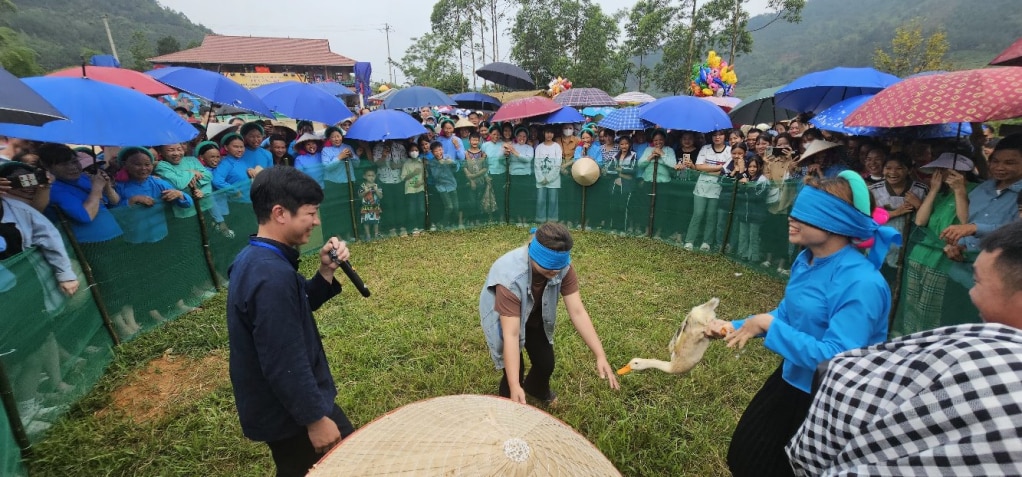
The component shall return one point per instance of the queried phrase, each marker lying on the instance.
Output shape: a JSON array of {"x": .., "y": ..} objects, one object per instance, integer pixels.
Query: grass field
[{"x": 165, "y": 406}]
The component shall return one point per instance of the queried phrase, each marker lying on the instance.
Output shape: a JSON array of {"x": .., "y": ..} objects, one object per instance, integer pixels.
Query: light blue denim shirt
[
  {"x": 989, "y": 209},
  {"x": 512, "y": 270}
]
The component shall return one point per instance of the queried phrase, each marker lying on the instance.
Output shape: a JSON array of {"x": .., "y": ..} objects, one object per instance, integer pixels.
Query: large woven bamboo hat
[{"x": 465, "y": 435}]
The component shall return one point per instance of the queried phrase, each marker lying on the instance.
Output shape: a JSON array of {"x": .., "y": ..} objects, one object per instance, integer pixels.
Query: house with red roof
[{"x": 273, "y": 58}]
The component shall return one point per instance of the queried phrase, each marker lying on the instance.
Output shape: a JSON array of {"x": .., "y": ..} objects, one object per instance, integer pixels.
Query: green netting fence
[{"x": 53, "y": 349}]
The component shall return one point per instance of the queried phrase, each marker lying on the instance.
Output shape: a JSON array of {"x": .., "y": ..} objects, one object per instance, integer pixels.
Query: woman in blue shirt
[
  {"x": 309, "y": 159},
  {"x": 836, "y": 300}
]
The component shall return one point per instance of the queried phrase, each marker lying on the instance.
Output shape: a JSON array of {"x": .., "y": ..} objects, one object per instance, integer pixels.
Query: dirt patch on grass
[{"x": 165, "y": 383}]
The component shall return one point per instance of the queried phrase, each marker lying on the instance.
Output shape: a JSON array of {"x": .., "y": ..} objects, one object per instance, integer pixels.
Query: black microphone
[{"x": 350, "y": 272}]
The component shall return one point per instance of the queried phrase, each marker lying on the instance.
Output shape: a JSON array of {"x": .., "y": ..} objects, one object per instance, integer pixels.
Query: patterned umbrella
[
  {"x": 833, "y": 119},
  {"x": 525, "y": 108},
  {"x": 634, "y": 97},
  {"x": 986, "y": 94},
  {"x": 1011, "y": 56},
  {"x": 624, "y": 119},
  {"x": 727, "y": 103},
  {"x": 819, "y": 90},
  {"x": 582, "y": 97}
]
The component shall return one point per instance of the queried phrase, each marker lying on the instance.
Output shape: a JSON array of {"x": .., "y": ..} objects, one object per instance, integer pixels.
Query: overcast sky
[{"x": 355, "y": 28}]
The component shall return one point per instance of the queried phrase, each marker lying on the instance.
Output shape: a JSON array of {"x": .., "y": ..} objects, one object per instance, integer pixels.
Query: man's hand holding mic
[{"x": 327, "y": 264}]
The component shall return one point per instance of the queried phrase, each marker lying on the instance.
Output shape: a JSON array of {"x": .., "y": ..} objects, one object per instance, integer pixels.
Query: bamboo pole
[
  {"x": 652, "y": 200},
  {"x": 730, "y": 218},
  {"x": 425, "y": 191},
  {"x": 896, "y": 288},
  {"x": 90, "y": 278},
  {"x": 11, "y": 408},
  {"x": 507, "y": 189},
  {"x": 207, "y": 252},
  {"x": 351, "y": 196},
  {"x": 582, "y": 222}
]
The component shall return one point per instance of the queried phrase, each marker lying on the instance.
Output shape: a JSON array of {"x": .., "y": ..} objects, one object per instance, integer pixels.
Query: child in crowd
[
  {"x": 621, "y": 171},
  {"x": 412, "y": 175},
  {"x": 750, "y": 211},
  {"x": 442, "y": 170},
  {"x": 898, "y": 194},
  {"x": 389, "y": 156},
  {"x": 371, "y": 195}
]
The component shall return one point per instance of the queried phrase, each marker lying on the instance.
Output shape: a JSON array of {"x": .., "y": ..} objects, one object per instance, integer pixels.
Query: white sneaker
[
  {"x": 766, "y": 264},
  {"x": 705, "y": 247},
  {"x": 688, "y": 246},
  {"x": 784, "y": 271}
]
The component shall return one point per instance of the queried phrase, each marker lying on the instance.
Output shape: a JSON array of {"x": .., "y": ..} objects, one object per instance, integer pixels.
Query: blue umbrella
[
  {"x": 832, "y": 119},
  {"x": 19, "y": 104},
  {"x": 303, "y": 101},
  {"x": 822, "y": 89},
  {"x": 213, "y": 87},
  {"x": 565, "y": 115},
  {"x": 385, "y": 124},
  {"x": 686, "y": 113},
  {"x": 335, "y": 88},
  {"x": 480, "y": 101},
  {"x": 102, "y": 114},
  {"x": 417, "y": 97},
  {"x": 624, "y": 119},
  {"x": 593, "y": 111}
]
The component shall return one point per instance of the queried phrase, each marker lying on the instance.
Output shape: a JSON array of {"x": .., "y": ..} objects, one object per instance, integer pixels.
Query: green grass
[{"x": 419, "y": 337}]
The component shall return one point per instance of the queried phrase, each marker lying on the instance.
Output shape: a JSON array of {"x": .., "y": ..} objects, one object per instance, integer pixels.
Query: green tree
[
  {"x": 140, "y": 51},
  {"x": 646, "y": 30},
  {"x": 427, "y": 63},
  {"x": 913, "y": 53},
  {"x": 536, "y": 43},
  {"x": 15, "y": 56},
  {"x": 167, "y": 45}
]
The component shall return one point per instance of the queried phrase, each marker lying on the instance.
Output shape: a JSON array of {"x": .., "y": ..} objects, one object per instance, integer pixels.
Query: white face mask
[
  {"x": 413, "y": 154},
  {"x": 568, "y": 132}
]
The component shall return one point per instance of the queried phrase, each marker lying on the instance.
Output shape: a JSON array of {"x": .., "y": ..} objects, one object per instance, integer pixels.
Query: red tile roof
[{"x": 252, "y": 50}]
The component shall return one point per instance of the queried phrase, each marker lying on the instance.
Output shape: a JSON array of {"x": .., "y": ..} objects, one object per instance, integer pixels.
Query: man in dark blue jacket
[{"x": 282, "y": 383}]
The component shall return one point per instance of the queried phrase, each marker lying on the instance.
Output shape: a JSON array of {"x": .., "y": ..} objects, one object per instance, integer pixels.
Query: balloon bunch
[
  {"x": 558, "y": 85},
  {"x": 714, "y": 77}
]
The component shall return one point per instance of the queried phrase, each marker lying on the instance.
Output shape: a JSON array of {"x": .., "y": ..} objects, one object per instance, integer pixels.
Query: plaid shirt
[{"x": 941, "y": 402}]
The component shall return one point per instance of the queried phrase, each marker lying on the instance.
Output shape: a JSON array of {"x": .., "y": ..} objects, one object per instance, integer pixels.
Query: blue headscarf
[
  {"x": 548, "y": 258},
  {"x": 828, "y": 212}
]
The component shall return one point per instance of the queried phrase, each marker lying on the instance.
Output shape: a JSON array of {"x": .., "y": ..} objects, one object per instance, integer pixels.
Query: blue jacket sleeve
[
  {"x": 319, "y": 291},
  {"x": 856, "y": 310},
  {"x": 72, "y": 207},
  {"x": 279, "y": 339},
  {"x": 185, "y": 200},
  {"x": 220, "y": 176}
]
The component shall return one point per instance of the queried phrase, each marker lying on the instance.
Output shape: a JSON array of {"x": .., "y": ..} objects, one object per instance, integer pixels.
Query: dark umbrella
[
  {"x": 506, "y": 74},
  {"x": 479, "y": 101},
  {"x": 101, "y": 113},
  {"x": 417, "y": 97},
  {"x": 760, "y": 108},
  {"x": 385, "y": 124},
  {"x": 213, "y": 87},
  {"x": 19, "y": 104},
  {"x": 1011, "y": 56}
]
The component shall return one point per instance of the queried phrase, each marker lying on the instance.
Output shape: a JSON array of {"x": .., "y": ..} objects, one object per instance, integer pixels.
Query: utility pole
[
  {"x": 390, "y": 63},
  {"x": 113, "y": 48}
]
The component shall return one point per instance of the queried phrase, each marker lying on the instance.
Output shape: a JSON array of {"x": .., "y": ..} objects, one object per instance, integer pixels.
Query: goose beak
[{"x": 625, "y": 370}]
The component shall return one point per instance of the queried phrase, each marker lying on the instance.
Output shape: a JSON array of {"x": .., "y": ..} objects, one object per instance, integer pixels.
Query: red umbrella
[
  {"x": 1011, "y": 56},
  {"x": 979, "y": 95},
  {"x": 525, "y": 108},
  {"x": 118, "y": 76}
]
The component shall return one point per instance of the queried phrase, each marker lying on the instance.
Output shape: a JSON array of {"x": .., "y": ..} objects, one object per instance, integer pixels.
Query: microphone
[{"x": 350, "y": 272}]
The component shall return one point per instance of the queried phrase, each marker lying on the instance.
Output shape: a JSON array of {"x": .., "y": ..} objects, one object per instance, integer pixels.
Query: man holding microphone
[{"x": 282, "y": 383}]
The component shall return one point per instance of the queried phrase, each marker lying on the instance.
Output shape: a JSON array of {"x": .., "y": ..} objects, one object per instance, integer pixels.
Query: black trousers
[
  {"x": 541, "y": 355},
  {"x": 294, "y": 456},
  {"x": 770, "y": 421}
]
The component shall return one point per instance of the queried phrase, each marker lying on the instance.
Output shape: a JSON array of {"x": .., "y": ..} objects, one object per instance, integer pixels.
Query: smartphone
[
  {"x": 771, "y": 150},
  {"x": 686, "y": 157},
  {"x": 29, "y": 180}
]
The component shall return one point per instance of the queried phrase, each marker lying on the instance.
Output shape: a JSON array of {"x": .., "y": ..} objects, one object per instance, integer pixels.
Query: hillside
[
  {"x": 60, "y": 31},
  {"x": 845, "y": 33}
]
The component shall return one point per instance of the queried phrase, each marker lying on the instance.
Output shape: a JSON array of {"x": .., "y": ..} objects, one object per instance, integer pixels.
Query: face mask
[
  {"x": 568, "y": 132},
  {"x": 413, "y": 154}
]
